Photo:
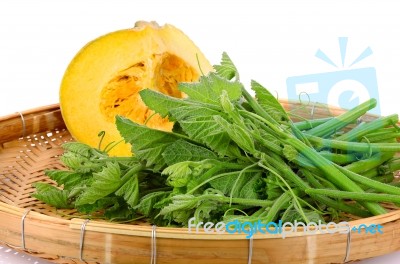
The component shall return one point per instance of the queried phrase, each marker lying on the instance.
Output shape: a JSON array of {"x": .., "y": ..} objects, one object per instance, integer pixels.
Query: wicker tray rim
[{"x": 25, "y": 124}]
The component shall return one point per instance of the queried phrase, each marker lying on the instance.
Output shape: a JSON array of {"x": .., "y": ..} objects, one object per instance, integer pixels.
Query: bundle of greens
[{"x": 233, "y": 156}]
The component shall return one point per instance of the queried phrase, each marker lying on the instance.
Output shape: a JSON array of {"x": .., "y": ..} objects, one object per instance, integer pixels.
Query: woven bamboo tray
[{"x": 30, "y": 143}]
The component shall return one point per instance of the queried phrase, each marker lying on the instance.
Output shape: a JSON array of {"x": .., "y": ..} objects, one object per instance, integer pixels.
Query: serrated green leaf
[
  {"x": 78, "y": 148},
  {"x": 104, "y": 203},
  {"x": 209, "y": 89},
  {"x": 244, "y": 184},
  {"x": 130, "y": 191},
  {"x": 67, "y": 178},
  {"x": 199, "y": 123},
  {"x": 270, "y": 104},
  {"x": 79, "y": 163},
  {"x": 179, "y": 202},
  {"x": 238, "y": 134},
  {"x": 249, "y": 189},
  {"x": 80, "y": 187},
  {"x": 104, "y": 182},
  {"x": 147, "y": 202},
  {"x": 181, "y": 150},
  {"x": 147, "y": 144},
  {"x": 204, "y": 211},
  {"x": 51, "y": 195},
  {"x": 74, "y": 162},
  {"x": 230, "y": 109},
  {"x": 120, "y": 213},
  {"x": 273, "y": 188},
  {"x": 179, "y": 174},
  {"x": 226, "y": 68},
  {"x": 159, "y": 102}
]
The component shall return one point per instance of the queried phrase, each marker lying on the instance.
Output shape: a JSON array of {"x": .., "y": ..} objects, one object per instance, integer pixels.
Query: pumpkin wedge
[{"x": 105, "y": 76}]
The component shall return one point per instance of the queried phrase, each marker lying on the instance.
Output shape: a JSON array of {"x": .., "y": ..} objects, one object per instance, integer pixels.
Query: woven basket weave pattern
[{"x": 30, "y": 143}]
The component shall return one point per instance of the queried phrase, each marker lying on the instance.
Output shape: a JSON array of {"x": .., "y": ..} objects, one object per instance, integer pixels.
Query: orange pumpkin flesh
[{"x": 104, "y": 78}]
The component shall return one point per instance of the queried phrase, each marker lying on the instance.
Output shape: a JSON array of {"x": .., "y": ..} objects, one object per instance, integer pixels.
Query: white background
[{"x": 268, "y": 40}]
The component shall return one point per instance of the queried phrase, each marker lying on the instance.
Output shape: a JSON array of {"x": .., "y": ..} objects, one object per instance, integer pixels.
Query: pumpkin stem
[{"x": 141, "y": 24}]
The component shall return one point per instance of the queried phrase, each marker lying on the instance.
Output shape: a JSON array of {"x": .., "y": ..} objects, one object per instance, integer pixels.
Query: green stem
[
  {"x": 161, "y": 189},
  {"x": 285, "y": 170},
  {"x": 289, "y": 189},
  {"x": 257, "y": 108},
  {"x": 384, "y": 138},
  {"x": 280, "y": 203},
  {"x": 374, "y": 125},
  {"x": 392, "y": 165},
  {"x": 354, "y": 146},
  {"x": 237, "y": 180},
  {"x": 206, "y": 177},
  {"x": 132, "y": 171},
  {"x": 262, "y": 115},
  {"x": 389, "y": 166},
  {"x": 368, "y": 197},
  {"x": 383, "y": 131},
  {"x": 268, "y": 144},
  {"x": 276, "y": 162},
  {"x": 316, "y": 180},
  {"x": 374, "y": 172},
  {"x": 387, "y": 178},
  {"x": 308, "y": 124},
  {"x": 338, "y": 205},
  {"x": 383, "y": 134},
  {"x": 333, "y": 174},
  {"x": 337, "y": 123},
  {"x": 370, "y": 163},
  {"x": 376, "y": 185},
  {"x": 338, "y": 158},
  {"x": 242, "y": 201},
  {"x": 300, "y": 135}
]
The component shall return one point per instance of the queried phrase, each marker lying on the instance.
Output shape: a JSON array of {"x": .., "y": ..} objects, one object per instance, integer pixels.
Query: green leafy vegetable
[
  {"x": 147, "y": 144},
  {"x": 232, "y": 156},
  {"x": 104, "y": 183},
  {"x": 227, "y": 69},
  {"x": 51, "y": 195},
  {"x": 182, "y": 150},
  {"x": 269, "y": 103},
  {"x": 209, "y": 88}
]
